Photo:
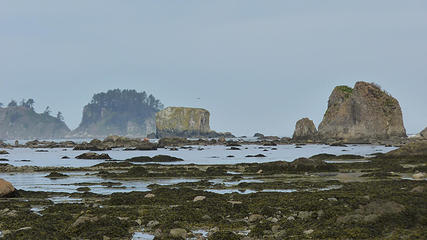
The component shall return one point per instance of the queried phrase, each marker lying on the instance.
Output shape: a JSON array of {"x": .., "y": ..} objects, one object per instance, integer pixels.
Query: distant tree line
[
  {"x": 121, "y": 105},
  {"x": 130, "y": 99},
  {"x": 29, "y": 104}
]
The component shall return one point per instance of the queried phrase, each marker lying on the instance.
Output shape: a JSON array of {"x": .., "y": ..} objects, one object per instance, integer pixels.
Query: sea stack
[
  {"x": 363, "y": 114},
  {"x": 305, "y": 130},
  {"x": 183, "y": 122},
  {"x": 118, "y": 112}
]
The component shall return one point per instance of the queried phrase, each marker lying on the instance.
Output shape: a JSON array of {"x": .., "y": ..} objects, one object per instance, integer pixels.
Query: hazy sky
[{"x": 257, "y": 66}]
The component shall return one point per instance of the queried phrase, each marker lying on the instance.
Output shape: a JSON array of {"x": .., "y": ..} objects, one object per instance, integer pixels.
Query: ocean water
[
  {"x": 37, "y": 181},
  {"x": 209, "y": 154}
]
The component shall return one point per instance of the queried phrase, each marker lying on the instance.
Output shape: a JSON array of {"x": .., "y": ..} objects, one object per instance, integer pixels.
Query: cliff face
[
  {"x": 19, "y": 122},
  {"x": 305, "y": 130},
  {"x": 362, "y": 114},
  {"x": 182, "y": 122},
  {"x": 423, "y": 133},
  {"x": 119, "y": 112}
]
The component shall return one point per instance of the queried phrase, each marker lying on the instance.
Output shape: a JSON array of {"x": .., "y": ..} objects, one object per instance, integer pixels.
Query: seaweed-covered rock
[
  {"x": 6, "y": 188},
  {"x": 305, "y": 130},
  {"x": 179, "y": 233},
  {"x": 362, "y": 114},
  {"x": 158, "y": 158},
  {"x": 417, "y": 148},
  {"x": 91, "y": 155},
  {"x": 372, "y": 211},
  {"x": 54, "y": 175}
]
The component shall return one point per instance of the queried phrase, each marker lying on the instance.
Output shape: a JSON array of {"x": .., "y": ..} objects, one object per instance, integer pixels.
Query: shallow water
[
  {"x": 38, "y": 182},
  {"x": 210, "y": 154},
  {"x": 142, "y": 236}
]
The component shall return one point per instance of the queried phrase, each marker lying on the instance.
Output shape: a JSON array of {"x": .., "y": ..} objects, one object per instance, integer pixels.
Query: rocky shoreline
[{"x": 321, "y": 197}]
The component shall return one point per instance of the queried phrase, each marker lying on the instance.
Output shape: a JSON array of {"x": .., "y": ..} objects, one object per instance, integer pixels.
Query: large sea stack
[
  {"x": 182, "y": 122},
  {"x": 363, "y": 114},
  {"x": 119, "y": 112},
  {"x": 22, "y": 122},
  {"x": 185, "y": 122}
]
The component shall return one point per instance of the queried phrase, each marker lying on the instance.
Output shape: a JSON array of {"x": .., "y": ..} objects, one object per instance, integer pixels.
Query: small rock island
[{"x": 184, "y": 122}]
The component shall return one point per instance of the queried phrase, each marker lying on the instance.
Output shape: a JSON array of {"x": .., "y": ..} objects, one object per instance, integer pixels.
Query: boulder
[
  {"x": 305, "y": 130},
  {"x": 423, "y": 133},
  {"x": 419, "y": 176},
  {"x": 149, "y": 195},
  {"x": 91, "y": 155},
  {"x": 363, "y": 114},
  {"x": 255, "y": 218},
  {"x": 6, "y": 188},
  {"x": 372, "y": 211},
  {"x": 199, "y": 198},
  {"x": 179, "y": 233}
]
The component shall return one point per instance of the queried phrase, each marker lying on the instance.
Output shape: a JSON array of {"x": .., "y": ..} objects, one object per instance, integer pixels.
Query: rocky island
[
  {"x": 363, "y": 114},
  {"x": 21, "y": 121},
  {"x": 185, "y": 122},
  {"x": 119, "y": 112}
]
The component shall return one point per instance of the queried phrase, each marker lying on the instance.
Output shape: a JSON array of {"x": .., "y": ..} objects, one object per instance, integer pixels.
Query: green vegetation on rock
[
  {"x": 20, "y": 121},
  {"x": 346, "y": 89},
  {"x": 119, "y": 112}
]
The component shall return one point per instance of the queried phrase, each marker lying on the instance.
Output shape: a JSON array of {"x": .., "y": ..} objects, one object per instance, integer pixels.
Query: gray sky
[{"x": 257, "y": 66}]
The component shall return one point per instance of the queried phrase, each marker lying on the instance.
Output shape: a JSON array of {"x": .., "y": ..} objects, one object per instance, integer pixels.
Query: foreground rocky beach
[{"x": 322, "y": 197}]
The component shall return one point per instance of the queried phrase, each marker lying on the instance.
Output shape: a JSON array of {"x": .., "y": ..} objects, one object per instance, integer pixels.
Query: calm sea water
[{"x": 204, "y": 155}]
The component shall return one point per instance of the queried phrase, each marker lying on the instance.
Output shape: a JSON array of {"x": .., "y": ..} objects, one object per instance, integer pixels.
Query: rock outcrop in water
[
  {"x": 119, "y": 112},
  {"x": 22, "y": 122},
  {"x": 305, "y": 130},
  {"x": 184, "y": 122},
  {"x": 363, "y": 114}
]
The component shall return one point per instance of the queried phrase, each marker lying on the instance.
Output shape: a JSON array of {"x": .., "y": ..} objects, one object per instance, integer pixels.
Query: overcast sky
[{"x": 257, "y": 66}]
